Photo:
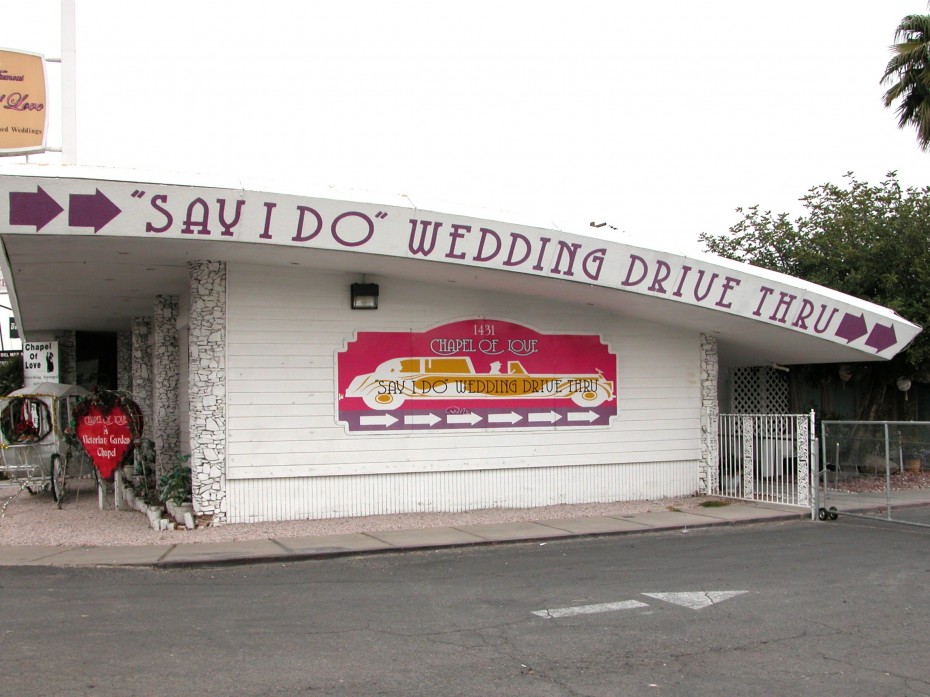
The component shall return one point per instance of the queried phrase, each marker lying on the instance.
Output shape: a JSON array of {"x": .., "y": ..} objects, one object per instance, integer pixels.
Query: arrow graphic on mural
[
  {"x": 546, "y": 416},
  {"x": 588, "y": 416},
  {"x": 428, "y": 419},
  {"x": 91, "y": 210},
  {"x": 881, "y": 337},
  {"x": 471, "y": 419},
  {"x": 510, "y": 417},
  {"x": 852, "y": 327},
  {"x": 37, "y": 209},
  {"x": 380, "y": 420}
]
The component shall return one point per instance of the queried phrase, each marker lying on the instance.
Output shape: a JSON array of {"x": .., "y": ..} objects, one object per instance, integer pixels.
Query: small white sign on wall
[{"x": 40, "y": 362}]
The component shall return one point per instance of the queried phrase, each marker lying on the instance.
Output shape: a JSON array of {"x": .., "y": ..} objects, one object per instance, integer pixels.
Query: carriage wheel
[{"x": 58, "y": 479}]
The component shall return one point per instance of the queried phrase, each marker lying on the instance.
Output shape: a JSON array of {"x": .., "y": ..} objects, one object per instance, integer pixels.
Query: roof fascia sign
[
  {"x": 23, "y": 116},
  {"x": 83, "y": 206}
]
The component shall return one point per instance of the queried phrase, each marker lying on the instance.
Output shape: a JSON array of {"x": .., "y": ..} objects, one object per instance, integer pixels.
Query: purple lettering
[
  {"x": 823, "y": 308},
  {"x": 594, "y": 259},
  {"x": 269, "y": 208},
  {"x": 421, "y": 247},
  {"x": 766, "y": 292},
  {"x": 527, "y": 247},
  {"x": 807, "y": 309},
  {"x": 573, "y": 250},
  {"x": 659, "y": 277},
  {"x": 352, "y": 214},
  {"x": 228, "y": 226},
  {"x": 481, "y": 256},
  {"x": 634, "y": 260},
  {"x": 160, "y": 198},
  {"x": 299, "y": 235},
  {"x": 17, "y": 102},
  {"x": 784, "y": 304},
  {"x": 729, "y": 284},
  {"x": 697, "y": 286},
  {"x": 681, "y": 281},
  {"x": 544, "y": 241},
  {"x": 190, "y": 223},
  {"x": 458, "y": 232}
]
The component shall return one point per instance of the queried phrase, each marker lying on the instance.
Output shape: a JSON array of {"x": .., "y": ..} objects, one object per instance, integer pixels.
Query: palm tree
[{"x": 909, "y": 72}]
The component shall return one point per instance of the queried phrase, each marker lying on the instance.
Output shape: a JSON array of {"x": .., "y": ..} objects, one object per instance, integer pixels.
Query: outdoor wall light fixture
[{"x": 364, "y": 296}]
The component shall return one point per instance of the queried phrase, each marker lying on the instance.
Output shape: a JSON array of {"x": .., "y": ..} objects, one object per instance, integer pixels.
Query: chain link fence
[{"x": 876, "y": 469}]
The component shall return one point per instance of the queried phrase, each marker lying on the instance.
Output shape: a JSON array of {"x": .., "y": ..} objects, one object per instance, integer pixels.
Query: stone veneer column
[
  {"x": 207, "y": 387},
  {"x": 710, "y": 416},
  {"x": 142, "y": 370},
  {"x": 67, "y": 357},
  {"x": 124, "y": 361},
  {"x": 166, "y": 430}
]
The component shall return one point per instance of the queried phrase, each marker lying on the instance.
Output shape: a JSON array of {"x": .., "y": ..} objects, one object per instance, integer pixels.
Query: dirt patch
[
  {"x": 869, "y": 483},
  {"x": 35, "y": 520}
]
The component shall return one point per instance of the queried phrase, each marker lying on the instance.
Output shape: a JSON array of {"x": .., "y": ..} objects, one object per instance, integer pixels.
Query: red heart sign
[{"x": 105, "y": 436}]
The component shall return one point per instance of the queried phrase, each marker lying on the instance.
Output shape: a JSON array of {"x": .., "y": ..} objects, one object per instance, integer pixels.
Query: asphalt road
[{"x": 777, "y": 609}]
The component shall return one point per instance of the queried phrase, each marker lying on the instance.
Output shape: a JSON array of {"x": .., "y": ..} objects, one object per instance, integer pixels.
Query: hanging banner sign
[
  {"x": 475, "y": 374},
  {"x": 40, "y": 362},
  {"x": 23, "y": 116}
]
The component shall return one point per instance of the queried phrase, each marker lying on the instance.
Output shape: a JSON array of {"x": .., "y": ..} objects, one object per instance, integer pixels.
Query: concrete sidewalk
[{"x": 326, "y": 546}]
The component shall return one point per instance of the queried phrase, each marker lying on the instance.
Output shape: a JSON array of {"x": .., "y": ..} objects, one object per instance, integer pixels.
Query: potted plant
[{"x": 175, "y": 488}]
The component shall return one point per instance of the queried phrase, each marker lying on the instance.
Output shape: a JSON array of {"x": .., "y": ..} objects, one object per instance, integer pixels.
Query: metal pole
[
  {"x": 887, "y": 473},
  {"x": 68, "y": 84}
]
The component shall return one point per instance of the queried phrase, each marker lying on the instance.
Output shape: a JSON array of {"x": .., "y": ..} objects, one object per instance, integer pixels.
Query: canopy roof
[
  {"x": 50, "y": 389},
  {"x": 89, "y": 249}
]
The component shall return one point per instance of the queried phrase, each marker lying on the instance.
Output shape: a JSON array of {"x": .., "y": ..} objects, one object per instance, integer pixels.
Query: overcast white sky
[{"x": 659, "y": 118}]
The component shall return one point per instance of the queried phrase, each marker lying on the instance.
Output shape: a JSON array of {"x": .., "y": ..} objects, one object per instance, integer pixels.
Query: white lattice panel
[{"x": 760, "y": 390}]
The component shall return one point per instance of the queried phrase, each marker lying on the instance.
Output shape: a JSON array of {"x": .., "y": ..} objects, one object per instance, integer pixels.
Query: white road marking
[
  {"x": 589, "y": 609},
  {"x": 697, "y": 600}
]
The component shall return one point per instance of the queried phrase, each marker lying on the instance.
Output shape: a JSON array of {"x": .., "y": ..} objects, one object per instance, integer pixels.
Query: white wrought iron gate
[{"x": 765, "y": 457}]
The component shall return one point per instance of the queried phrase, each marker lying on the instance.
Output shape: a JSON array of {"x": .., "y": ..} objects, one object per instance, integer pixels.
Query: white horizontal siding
[
  {"x": 288, "y": 457},
  {"x": 287, "y": 498}
]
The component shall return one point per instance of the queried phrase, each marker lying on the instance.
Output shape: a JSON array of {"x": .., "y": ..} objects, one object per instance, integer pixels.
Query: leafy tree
[
  {"x": 11, "y": 374},
  {"x": 908, "y": 73},
  {"x": 869, "y": 241}
]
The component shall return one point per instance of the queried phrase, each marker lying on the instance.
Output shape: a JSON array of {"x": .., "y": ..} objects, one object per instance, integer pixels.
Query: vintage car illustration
[{"x": 454, "y": 378}]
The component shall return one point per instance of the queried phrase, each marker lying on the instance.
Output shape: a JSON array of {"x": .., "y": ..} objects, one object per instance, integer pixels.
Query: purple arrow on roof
[
  {"x": 37, "y": 209},
  {"x": 91, "y": 210},
  {"x": 881, "y": 337},
  {"x": 852, "y": 327}
]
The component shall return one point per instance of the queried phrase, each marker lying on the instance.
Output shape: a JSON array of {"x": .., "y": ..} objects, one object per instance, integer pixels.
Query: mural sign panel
[
  {"x": 475, "y": 374},
  {"x": 23, "y": 118}
]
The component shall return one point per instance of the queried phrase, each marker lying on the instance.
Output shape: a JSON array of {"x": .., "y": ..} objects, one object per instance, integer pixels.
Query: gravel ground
[
  {"x": 35, "y": 520},
  {"x": 859, "y": 484}
]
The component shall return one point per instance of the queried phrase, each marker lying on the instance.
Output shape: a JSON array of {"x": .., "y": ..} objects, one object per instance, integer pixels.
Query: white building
[{"x": 505, "y": 365}]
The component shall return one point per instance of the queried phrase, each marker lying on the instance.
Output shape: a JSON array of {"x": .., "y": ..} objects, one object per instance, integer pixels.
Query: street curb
[{"x": 232, "y": 560}]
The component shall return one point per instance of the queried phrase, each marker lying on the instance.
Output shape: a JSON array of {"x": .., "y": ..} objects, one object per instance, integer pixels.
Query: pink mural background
[{"x": 474, "y": 374}]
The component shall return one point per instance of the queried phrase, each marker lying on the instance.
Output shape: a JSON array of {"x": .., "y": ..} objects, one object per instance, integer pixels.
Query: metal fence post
[
  {"x": 887, "y": 473},
  {"x": 749, "y": 462}
]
